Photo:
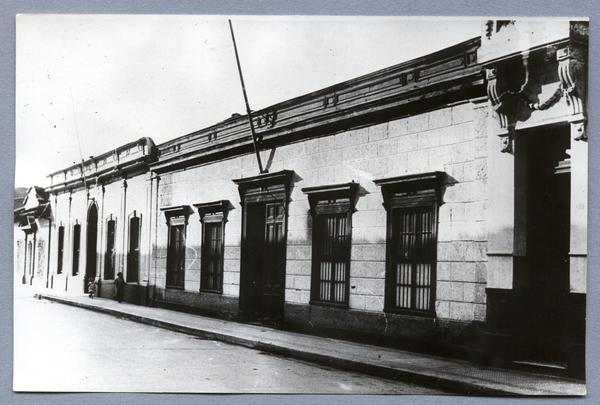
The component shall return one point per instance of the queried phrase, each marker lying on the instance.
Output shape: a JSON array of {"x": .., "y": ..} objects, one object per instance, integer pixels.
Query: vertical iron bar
[{"x": 248, "y": 111}]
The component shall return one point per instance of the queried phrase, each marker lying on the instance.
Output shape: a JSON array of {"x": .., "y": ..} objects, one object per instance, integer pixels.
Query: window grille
[
  {"x": 413, "y": 258},
  {"x": 412, "y": 205},
  {"x": 211, "y": 278},
  {"x": 176, "y": 256},
  {"x": 76, "y": 248},
  {"x": 109, "y": 255},
  {"x": 61, "y": 247},
  {"x": 213, "y": 216},
  {"x": 177, "y": 219},
  {"x": 331, "y": 208},
  {"x": 332, "y": 241},
  {"x": 133, "y": 255}
]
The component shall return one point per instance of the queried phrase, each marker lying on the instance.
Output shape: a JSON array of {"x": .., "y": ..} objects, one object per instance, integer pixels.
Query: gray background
[{"x": 8, "y": 10}]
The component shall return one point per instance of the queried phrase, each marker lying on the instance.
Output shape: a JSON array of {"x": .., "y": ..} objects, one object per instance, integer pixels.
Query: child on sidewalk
[{"x": 91, "y": 288}]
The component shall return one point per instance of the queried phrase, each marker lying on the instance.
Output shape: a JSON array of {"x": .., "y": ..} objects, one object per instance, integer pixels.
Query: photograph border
[{"x": 307, "y": 7}]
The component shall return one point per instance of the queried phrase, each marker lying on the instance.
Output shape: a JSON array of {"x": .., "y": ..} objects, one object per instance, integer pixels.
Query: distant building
[{"x": 439, "y": 204}]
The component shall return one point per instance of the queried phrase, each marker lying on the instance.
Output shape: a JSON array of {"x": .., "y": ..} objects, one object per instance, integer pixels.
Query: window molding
[
  {"x": 331, "y": 205},
  {"x": 175, "y": 212},
  {"x": 265, "y": 187},
  {"x": 60, "y": 249},
  {"x": 110, "y": 255},
  {"x": 215, "y": 211},
  {"x": 212, "y": 214},
  {"x": 412, "y": 190},
  {"x": 133, "y": 257},
  {"x": 176, "y": 217},
  {"x": 76, "y": 248},
  {"x": 419, "y": 194}
]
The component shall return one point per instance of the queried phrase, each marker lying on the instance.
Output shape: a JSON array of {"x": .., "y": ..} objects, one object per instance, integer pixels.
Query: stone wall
[{"x": 452, "y": 139}]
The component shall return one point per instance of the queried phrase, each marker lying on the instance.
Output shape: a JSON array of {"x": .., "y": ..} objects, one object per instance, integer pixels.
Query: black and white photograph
[{"x": 241, "y": 204}]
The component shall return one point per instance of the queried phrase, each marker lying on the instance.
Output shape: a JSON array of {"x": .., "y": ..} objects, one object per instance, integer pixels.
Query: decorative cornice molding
[
  {"x": 412, "y": 184},
  {"x": 177, "y": 211},
  {"x": 434, "y": 79},
  {"x": 344, "y": 195},
  {"x": 265, "y": 186},
  {"x": 220, "y": 207}
]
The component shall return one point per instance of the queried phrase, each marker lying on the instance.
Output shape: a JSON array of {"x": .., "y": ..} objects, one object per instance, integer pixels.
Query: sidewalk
[{"x": 448, "y": 374}]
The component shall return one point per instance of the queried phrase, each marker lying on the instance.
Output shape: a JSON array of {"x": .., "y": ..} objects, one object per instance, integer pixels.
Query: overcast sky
[{"x": 107, "y": 80}]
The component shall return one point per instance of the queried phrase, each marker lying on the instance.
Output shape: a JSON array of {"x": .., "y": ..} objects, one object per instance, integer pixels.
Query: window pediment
[
  {"x": 332, "y": 198},
  {"x": 416, "y": 189},
  {"x": 214, "y": 210},
  {"x": 177, "y": 215}
]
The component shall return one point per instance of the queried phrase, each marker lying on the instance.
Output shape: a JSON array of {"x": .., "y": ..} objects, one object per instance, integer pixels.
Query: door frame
[{"x": 264, "y": 188}]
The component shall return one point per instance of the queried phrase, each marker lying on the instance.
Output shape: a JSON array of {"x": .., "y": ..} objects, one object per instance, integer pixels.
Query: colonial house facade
[{"x": 439, "y": 205}]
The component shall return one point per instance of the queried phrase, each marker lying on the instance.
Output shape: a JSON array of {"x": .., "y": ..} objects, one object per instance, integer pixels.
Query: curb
[{"x": 417, "y": 377}]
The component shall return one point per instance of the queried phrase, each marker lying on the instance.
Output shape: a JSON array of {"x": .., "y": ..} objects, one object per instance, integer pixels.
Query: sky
[{"x": 86, "y": 84}]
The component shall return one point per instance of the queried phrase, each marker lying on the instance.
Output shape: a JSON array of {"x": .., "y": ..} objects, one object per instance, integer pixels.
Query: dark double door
[{"x": 263, "y": 263}]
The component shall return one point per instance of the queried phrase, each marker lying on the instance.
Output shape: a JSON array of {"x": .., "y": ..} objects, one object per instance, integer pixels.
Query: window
[
  {"x": 61, "y": 247},
  {"x": 213, "y": 216},
  {"x": 412, "y": 259},
  {"x": 331, "y": 209},
  {"x": 177, "y": 218},
  {"x": 133, "y": 255},
  {"x": 76, "y": 248},
  {"x": 412, "y": 206},
  {"x": 109, "y": 255}
]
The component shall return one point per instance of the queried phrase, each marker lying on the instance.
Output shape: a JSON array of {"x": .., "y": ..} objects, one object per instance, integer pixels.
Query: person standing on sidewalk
[
  {"x": 91, "y": 287},
  {"x": 119, "y": 287}
]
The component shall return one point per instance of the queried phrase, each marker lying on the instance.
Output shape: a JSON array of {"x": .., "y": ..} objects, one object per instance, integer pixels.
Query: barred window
[
  {"x": 176, "y": 256},
  {"x": 133, "y": 255},
  {"x": 331, "y": 240},
  {"x": 412, "y": 207},
  {"x": 211, "y": 278},
  {"x": 61, "y": 248},
  {"x": 109, "y": 254},
  {"x": 76, "y": 248},
  {"x": 177, "y": 220},
  {"x": 331, "y": 208},
  {"x": 413, "y": 258},
  {"x": 213, "y": 216}
]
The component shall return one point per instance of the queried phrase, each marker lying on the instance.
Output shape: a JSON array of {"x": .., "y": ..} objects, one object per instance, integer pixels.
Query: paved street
[{"x": 62, "y": 348}]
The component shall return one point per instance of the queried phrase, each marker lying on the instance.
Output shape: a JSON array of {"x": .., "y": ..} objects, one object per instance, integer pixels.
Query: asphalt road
[{"x": 63, "y": 348}]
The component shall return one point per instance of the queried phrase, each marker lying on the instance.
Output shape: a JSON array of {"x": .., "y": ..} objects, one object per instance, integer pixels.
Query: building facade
[{"x": 439, "y": 205}]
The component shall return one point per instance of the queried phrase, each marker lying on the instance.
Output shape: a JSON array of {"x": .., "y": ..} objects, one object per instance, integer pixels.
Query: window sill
[
  {"x": 329, "y": 304},
  {"x": 175, "y": 287},
  {"x": 219, "y": 292},
  {"x": 410, "y": 312}
]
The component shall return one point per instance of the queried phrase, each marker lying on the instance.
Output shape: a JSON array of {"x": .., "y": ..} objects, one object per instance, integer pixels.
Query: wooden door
[{"x": 273, "y": 266}]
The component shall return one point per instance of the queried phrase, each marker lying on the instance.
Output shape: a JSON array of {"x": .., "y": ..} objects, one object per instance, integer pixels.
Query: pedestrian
[
  {"x": 91, "y": 287},
  {"x": 119, "y": 287}
]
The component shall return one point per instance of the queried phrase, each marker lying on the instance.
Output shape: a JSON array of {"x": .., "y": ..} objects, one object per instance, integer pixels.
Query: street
[{"x": 63, "y": 348}]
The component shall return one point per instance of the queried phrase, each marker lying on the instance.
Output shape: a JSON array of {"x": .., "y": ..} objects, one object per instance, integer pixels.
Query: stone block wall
[{"x": 452, "y": 139}]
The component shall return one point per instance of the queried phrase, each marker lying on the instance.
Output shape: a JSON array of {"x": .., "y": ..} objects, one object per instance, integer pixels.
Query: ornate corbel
[
  {"x": 500, "y": 108},
  {"x": 509, "y": 101},
  {"x": 571, "y": 72}
]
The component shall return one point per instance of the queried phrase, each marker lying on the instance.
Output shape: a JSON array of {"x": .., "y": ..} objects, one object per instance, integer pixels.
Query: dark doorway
[
  {"x": 542, "y": 276},
  {"x": 91, "y": 242},
  {"x": 263, "y": 282},
  {"x": 263, "y": 256}
]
